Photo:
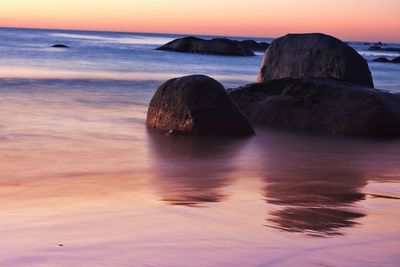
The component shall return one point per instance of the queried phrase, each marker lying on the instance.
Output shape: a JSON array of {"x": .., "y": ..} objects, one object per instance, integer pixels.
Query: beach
[{"x": 84, "y": 183}]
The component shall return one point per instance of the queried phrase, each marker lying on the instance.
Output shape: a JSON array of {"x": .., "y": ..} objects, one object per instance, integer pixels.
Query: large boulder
[
  {"x": 216, "y": 46},
  {"x": 196, "y": 104},
  {"x": 314, "y": 55},
  {"x": 321, "y": 105}
]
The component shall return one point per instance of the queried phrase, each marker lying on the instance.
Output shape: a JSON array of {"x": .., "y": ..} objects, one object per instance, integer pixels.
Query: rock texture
[
  {"x": 314, "y": 55},
  {"x": 196, "y": 104},
  {"x": 217, "y": 46},
  {"x": 321, "y": 105}
]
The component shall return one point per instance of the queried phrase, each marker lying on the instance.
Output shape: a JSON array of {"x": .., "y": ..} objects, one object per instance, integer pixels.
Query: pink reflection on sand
[{"x": 93, "y": 180}]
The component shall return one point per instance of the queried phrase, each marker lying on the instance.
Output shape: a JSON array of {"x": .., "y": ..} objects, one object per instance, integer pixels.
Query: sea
[{"x": 83, "y": 183}]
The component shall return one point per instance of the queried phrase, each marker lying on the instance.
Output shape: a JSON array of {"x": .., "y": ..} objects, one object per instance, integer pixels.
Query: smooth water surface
[{"x": 83, "y": 183}]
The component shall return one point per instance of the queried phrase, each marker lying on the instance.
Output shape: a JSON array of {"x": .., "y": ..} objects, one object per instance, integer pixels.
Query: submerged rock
[
  {"x": 314, "y": 55},
  {"x": 381, "y": 59},
  {"x": 396, "y": 60},
  {"x": 60, "y": 46},
  {"x": 385, "y": 60},
  {"x": 374, "y": 48},
  {"x": 387, "y": 49},
  {"x": 196, "y": 104},
  {"x": 321, "y": 105},
  {"x": 216, "y": 46}
]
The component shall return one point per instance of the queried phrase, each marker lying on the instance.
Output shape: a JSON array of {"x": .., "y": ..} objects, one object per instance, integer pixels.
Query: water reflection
[
  {"x": 193, "y": 171},
  {"x": 314, "y": 183}
]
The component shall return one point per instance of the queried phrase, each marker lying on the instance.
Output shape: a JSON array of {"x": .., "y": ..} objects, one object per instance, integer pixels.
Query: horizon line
[{"x": 187, "y": 34}]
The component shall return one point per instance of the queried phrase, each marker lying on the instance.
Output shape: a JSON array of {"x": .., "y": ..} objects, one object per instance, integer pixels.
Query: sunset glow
[{"x": 370, "y": 20}]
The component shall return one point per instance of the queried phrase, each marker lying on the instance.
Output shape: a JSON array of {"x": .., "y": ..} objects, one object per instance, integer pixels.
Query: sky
[{"x": 358, "y": 20}]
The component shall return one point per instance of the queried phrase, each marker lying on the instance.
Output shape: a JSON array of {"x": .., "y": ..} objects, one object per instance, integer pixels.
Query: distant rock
[
  {"x": 321, "y": 105},
  {"x": 367, "y": 43},
  {"x": 60, "y": 46},
  {"x": 385, "y": 60},
  {"x": 391, "y": 49},
  {"x": 216, "y": 46},
  {"x": 253, "y": 45},
  {"x": 381, "y": 59},
  {"x": 198, "y": 105},
  {"x": 396, "y": 60},
  {"x": 374, "y": 48},
  {"x": 379, "y": 44},
  {"x": 387, "y": 49},
  {"x": 314, "y": 55}
]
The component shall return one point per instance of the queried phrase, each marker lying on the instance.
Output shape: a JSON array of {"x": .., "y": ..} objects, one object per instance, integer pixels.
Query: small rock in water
[
  {"x": 60, "y": 46},
  {"x": 388, "y": 49},
  {"x": 375, "y": 48},
  {"x": 381, "y": 59},
  {"x": 396, "y": 60}
]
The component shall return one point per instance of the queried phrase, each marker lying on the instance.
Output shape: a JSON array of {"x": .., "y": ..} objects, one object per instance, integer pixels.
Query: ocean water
[{"x": 83, "y": 183}]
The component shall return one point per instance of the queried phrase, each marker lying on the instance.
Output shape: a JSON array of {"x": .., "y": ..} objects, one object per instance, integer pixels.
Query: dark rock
[
  {"x": 379, "y": 44},
  {"x": 60, "y": 46},
  {"x": 253, "y": 45},
  {"x": 396, "y": 60},
  {"x": 367, "y": 43},
  {"x": 321, "y": 105},
  {"x": 391, "y": 49},
  {"x": 196, "y": 104},
  {"x": 387, "y": 49},
  {"x": 381, "y": 59},
  {"x": 314, "y": 55},
  {"x": 375, "y": 48},
  {"x": 385, "y": 60},
  {"x": 216, "y": 46}
]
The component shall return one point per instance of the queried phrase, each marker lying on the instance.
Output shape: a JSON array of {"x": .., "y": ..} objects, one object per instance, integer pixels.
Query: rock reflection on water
[
  {"x": 313, "y": 184},
  {"x": 317, "y": 198},
  {"x": 193, "y": 171},
  {"x": 316, "y": 183},
  {"x": 319, "y": 222}
]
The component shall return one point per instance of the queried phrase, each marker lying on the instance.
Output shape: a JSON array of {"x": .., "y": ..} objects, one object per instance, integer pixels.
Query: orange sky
[{"x": 369, "y": 20}]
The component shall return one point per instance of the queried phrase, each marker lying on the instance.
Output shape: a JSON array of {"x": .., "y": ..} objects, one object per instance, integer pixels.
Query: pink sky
[{"x": 370, "y": 20}]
